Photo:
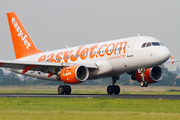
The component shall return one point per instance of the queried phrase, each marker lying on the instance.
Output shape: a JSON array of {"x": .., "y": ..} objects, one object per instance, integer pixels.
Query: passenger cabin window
[
  {"x": 148, "y": 44},
  {"x": 143, "y": 45},
  {"x": 155, "y": 44}
]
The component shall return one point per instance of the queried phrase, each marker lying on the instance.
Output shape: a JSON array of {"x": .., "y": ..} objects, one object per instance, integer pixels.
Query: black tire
[
  {"x": 61, "y": 90},
  {"x": 145, "y": 83},
  {"x": 116, "y": 89},
  {"x": 110, "y": 89},
  {"x": 68, "y": 90}
]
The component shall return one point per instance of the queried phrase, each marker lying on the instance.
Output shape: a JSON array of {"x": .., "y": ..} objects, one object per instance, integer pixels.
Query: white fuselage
[{"x": 111, "y": 57}]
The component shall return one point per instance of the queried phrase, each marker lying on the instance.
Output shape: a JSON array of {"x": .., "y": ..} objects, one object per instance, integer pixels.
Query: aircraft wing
[
  {"x": 40, "y": 66},
  {"x": 172, "y": 60}
]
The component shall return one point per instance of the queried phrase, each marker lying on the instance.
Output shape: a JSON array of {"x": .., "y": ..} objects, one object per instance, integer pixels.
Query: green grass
[
  {"x": 169, "y": 92},
  {"x": 88, "y": 109},
  {"x": 152, "y": 92},
  {"x": 93, "y": 89}
]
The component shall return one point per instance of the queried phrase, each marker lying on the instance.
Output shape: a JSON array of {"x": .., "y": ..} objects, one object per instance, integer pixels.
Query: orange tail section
[{"x": 23, "y": 45}]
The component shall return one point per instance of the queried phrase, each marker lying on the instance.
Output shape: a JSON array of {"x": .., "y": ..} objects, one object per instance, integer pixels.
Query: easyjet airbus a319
[{"x": 138, "y": 56}]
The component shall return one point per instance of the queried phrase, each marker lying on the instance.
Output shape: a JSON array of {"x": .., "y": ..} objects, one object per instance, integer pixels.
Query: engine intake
[
  {"x": 156, "y": 73},
  {"x": 74, "y": 74}
]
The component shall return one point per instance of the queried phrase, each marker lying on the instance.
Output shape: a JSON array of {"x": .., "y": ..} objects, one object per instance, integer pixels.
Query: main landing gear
[
  {"x": 143, "y": 82},
  {"x": 113, "y": 88},
  {"x": 64, "y": 89}
]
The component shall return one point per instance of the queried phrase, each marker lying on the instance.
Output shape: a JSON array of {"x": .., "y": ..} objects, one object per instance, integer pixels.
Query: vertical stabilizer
[{"x": 23, "y": 45}]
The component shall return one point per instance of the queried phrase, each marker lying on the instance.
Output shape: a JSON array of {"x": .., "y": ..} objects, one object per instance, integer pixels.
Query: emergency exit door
[{"x": 130, "y": 48}]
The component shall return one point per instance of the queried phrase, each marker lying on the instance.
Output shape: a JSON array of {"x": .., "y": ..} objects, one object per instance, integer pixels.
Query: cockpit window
[
  {"x": 161, "y": 44},
  {"x": 148, "y": 44},
  {"x": 152, "y": 44},
  {"x": 144, "y": 44},
  {"x": 155, "y": 44}
]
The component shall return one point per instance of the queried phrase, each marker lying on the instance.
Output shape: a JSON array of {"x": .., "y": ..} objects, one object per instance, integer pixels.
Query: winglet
[
  {"x": 23, "y": 45},
  {"x": 172, "y": 60}
]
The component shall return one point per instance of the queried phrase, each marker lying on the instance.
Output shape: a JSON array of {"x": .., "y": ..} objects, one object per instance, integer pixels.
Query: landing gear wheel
[
  {"x": 145, "y": 83},
  {"x": 142, "y": 84},
  {"x": 110, "y": 89},
  {"x": 116, "y": 89},
  {"x": 68, "y": 90},
  {"x": 64, "y": 89},
  {"x": 113, "y": 89},
  {"x": 61, "y": 90}
]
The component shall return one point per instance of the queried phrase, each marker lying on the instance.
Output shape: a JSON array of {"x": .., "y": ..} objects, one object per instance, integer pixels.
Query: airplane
[{"x": 139, "y": 56}]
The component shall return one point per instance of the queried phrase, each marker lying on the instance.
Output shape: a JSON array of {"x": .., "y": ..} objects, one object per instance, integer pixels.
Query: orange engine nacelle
[
  {"x": 74, "y": 74},
  {"x": 152, "y": 75}
]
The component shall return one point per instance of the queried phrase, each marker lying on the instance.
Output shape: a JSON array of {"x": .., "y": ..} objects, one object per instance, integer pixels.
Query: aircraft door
[{"x": 130, "y": 48}]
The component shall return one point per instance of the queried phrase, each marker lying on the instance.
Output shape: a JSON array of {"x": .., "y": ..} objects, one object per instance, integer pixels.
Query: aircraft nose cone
[{"x": 164, "y": 54}]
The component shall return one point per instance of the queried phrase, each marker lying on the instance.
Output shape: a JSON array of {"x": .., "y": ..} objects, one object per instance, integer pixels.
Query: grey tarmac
[{"x": 120, "y": 96}]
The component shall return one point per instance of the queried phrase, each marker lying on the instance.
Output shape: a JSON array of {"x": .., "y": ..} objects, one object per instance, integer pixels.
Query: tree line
[{"x": 12, "y": 78}]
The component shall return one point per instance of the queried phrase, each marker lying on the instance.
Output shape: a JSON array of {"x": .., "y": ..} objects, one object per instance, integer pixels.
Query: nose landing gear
[{"x": 143, "y": 82}]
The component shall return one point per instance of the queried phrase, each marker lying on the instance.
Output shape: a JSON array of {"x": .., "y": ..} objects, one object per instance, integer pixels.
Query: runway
[{"x": 120, "y": 96}]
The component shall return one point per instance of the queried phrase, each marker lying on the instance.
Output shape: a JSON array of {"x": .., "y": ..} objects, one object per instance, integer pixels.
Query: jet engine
[
  {"x": 74, "y": 74},
  {"x": 151, "y": 75}
]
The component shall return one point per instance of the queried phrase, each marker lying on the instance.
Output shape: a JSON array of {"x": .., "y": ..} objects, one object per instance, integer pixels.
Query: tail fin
[{"x": 23, "y": 45}]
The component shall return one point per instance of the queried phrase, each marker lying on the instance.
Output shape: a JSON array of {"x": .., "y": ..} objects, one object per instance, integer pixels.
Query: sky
[{"x": 53, "y": 24}]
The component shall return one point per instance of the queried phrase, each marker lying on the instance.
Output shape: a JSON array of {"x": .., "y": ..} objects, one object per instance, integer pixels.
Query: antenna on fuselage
[
  {"x": 138, "y": 35},
  {"x": 67, "y": 46}
]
